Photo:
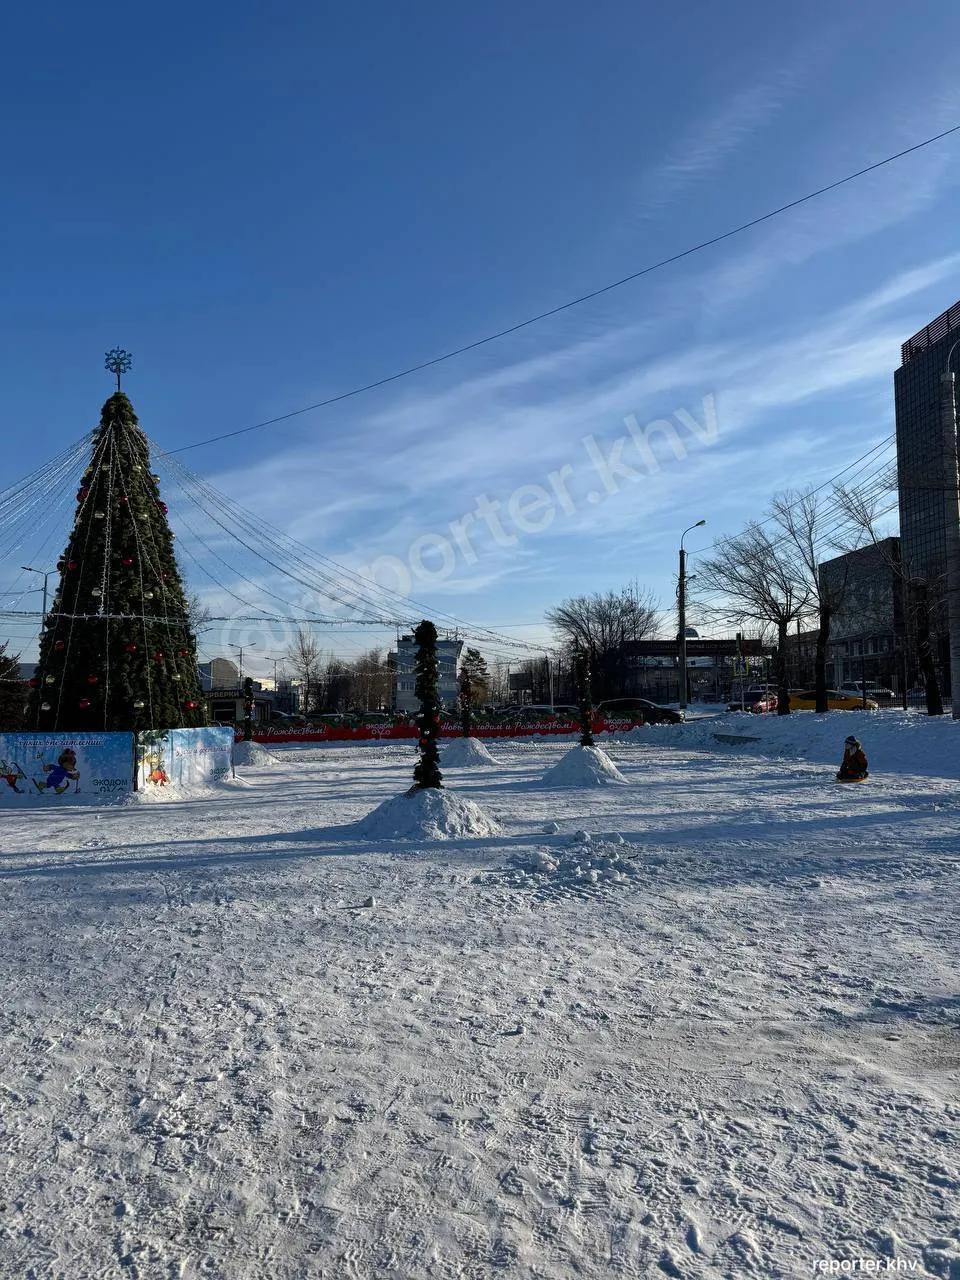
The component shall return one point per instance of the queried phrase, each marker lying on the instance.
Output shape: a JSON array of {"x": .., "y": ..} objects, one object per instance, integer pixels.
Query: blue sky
[{"x": 269, "y": 206}]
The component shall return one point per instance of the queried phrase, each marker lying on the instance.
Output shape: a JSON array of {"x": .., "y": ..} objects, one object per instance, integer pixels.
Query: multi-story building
[
  {"x": 922, "y": 465},
  {"x": 219, "y": 673},
  {"x": 867, "y": 627},
  {"x": 448, "y": 656}
]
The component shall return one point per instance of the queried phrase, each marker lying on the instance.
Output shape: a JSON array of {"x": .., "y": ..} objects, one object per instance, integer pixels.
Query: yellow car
[{"x": 836, "y": 701}]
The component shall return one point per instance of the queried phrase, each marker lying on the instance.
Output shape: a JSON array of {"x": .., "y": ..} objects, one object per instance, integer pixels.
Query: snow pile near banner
[
  {"x": 426, "y": 814},
  {"x": 252, "y": 754},
  {"x": 895, "y": 741},
  {"x": 462, "y": 752},
  {"x": 171, "y": 794},
  {"x": 583, "y": 767}
]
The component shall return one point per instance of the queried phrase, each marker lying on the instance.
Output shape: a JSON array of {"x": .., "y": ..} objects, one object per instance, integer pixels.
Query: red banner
[{"x": 387, "y": 732}]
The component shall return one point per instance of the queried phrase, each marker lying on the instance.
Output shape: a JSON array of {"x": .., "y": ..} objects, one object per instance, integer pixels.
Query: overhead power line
[{"x": 576, "y": 302}]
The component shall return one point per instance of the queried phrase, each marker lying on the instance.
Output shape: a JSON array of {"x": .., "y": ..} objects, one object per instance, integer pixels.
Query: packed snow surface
[
  {"x": 252, "y": 754},
  {"x": 463, "y": 752},
  {"x": 583, "y": 767},
  {"x": 240, "y": 1039},
  {"x": 427, "y": 813},
  {"x": 893, "y": 740}
]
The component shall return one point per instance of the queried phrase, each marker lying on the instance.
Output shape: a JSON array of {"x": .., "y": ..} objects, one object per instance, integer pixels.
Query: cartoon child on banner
[{"x": 60, "y": 775}]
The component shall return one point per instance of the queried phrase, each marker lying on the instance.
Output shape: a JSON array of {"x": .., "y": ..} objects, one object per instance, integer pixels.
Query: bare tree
[
  {"x": 920, "y": 593},
  {"x": 601, "y": 624},
  {"x": 335, "y": 684},
  {"x": 807, "y": 523},
  {"x": 13, "y": 691},
  {"x": 303, "y": 657},
  {"x": 537, "y": 678},
  {"x": 763, "y": 582},
  {"x": 198, "y": 613},
  {"x": 372, "y": 680}
]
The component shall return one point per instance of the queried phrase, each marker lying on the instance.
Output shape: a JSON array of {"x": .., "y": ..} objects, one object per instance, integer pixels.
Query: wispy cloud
[
  {"x": 702, "y": 149},
  {"x": 888, "y": 198}
]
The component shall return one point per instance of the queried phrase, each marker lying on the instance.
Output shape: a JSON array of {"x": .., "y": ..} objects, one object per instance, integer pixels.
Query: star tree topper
[{"x": 118, "y": 361}]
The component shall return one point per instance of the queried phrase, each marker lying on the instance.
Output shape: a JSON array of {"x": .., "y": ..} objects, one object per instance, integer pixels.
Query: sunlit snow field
[{"x": 706, "y": 1027}]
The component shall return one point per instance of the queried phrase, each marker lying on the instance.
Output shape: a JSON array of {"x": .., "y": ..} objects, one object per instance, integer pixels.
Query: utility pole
[
  {"x": 240, "y": 648},
  {"x": 45, "y": 575},
  {"x": 682, "y": 623},
  {"x": 682, "y": 615},
  {"x": 275, "y": 659},
  {"x": 951, "y": 514}
]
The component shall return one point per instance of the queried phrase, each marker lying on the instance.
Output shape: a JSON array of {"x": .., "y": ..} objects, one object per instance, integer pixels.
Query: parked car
[
  {"x": 759, "y": 700},
  {"x": 376, "y": 717},
  {"x": 638, "y": 711},
  {"x": 806, "y": 700},
  {"x": 877, "y": 692},
  {"x": 528, "y": 715}
]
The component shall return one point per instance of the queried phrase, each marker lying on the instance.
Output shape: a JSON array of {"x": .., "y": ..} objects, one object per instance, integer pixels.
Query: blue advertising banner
[
  {"x": 65, "y": 768},
  {"x": 184, "y": 757}
]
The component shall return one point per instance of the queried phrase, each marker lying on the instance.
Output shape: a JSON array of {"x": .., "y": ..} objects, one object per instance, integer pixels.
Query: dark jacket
[{"x": 854, "y": 763}]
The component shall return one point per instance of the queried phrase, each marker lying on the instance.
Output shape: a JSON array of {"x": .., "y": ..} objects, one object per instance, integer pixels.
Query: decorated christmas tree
[
  {"x": 583, "y": 682},
  {"x": 427, "y": 772},
  {"x": 117, "y": 650}
]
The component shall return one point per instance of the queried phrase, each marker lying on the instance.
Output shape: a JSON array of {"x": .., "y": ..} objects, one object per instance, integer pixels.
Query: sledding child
[{"x": 853, "y": 767}]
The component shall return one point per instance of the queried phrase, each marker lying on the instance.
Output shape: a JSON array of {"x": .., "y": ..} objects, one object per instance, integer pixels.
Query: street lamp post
[
  {"x": 275, "y": 658},
  {"x": 951, "y": 501},
  {"x": 682, "y": 614},
  {"x": 45, "y": 575},
  {"x": 240, "y": 648}
]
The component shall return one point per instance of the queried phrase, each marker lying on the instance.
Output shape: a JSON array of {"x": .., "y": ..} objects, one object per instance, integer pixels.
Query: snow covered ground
[{"x": 704, "y": 1024}]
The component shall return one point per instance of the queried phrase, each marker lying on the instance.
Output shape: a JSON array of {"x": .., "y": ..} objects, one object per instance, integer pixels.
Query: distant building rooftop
[{"x": 931, "y": 333}]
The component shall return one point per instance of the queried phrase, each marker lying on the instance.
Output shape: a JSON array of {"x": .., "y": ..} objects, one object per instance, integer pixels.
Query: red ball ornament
[
  {"x": 130, "y": 648},
  {"x": 124, "y": 501},
  {"x": 33, "y": 683},
  {"x": 127, "y": 561},
  {"x": 83, "y": 493},
  {"x": 84, "y": 703},
  {"x": 72, "y": 564},
  {"x": 59, "y": 645},
  {"x": 93, "y": 679},
  {"x": 158, "y": 656},
  {"x": 183, "y": 652},
  {"x": 191, "y": 706},
  {"x": 163, "y": 507}
]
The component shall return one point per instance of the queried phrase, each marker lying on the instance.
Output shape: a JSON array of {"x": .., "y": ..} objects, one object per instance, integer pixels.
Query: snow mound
[
  {"x": 461, "y": 752},
  {"x": 251, "y": 753},
  {"x": 583, "y": 767},
  {"x": 173, "y": 794},
  {"x": 577, "y": 870},
  {"x": 426, "y": 814}
]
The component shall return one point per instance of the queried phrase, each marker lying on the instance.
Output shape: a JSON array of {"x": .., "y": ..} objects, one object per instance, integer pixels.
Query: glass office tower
[{"x": 920, "y": 454}]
